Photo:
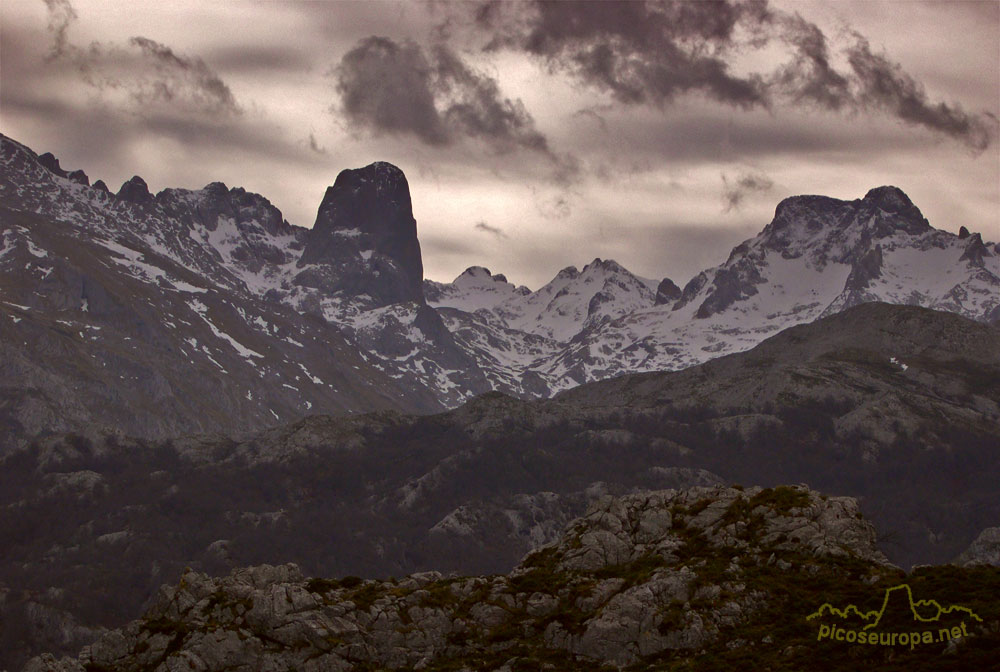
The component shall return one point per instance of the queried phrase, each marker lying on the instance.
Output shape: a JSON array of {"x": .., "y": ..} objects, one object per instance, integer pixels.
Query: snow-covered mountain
[
  {"x": 203, "y": 310},
  {"x": 818, "y": 256}
]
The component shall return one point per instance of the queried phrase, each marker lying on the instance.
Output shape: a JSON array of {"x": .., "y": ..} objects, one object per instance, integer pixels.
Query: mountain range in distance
[
  {"x": 200, "y": 384},
  {"x": 108, "y": 302}
]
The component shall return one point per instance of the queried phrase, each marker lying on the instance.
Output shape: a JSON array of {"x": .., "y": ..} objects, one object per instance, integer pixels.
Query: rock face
[
  {"x": 359, "y": 271},
  {"x": 985, "y": 550},
  {"x": 667, "y": 292},
  {"x": 176, "y": 313},
  {"x": 654, "y": 576},
  {"x": 369, "y": 209},
  {"x": 135, "y": 191}
]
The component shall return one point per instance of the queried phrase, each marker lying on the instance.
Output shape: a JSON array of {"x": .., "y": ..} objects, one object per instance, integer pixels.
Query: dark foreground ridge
[{"x": 708, "y": 578}]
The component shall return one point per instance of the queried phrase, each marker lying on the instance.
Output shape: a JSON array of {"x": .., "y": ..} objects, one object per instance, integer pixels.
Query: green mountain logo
[{"x": 897, "y": 603}]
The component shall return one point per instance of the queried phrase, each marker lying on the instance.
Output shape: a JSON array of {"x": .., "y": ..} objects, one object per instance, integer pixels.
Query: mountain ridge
[
  {"x": 475, "y": 488},
  {"x": 356, "y": 277}
]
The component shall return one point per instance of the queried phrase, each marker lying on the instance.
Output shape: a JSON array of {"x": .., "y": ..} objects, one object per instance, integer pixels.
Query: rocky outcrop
[
  {"x": 653, "y": 576},
  {"x": 985, "y": 550},
  {"x": 865, "y": 270},
  {"x": 135, "y": 191},
  {"x": 975, "y": 251},
  {"x": 368, "y": 209},
  {"x": 667, "y": 292}
]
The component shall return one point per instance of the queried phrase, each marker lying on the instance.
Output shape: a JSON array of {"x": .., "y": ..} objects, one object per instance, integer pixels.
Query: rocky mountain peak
[
  {"x": 667, "y": 292},
  {"x": 369, "y": 209},
  {"x": 135, "y": 190},
  {"x": 216, "y": 188},
  {"x": 975, "y": 251},
  {"x": 889, "y": 198},
  {"x": 813, "y": 220},
  {"x": 475, "y": 272},
  {"x": 894, "y": 212},
  {"x": 568, "y": 273},
  {"x": 609, "y": 265},
  {"x": 51, "y": 163}
]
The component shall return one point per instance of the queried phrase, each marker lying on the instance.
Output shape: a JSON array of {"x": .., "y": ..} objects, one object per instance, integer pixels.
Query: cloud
[
  {"x": 61, "y": 15},
  {"x": 884, "y": 85},
  {"x": 651, "y": 53},
  {"x": 260, "y": 58},
  {"x": 487, "y": 228},
  {"x": 176, "y": 77},
  {"x": 551, "y": 206},
  {"x": 735, "y": 190},
  {"x": 399, "y": 88},
  {"x": 314, "y": 146},
  {"x": 810, "y": 77},
  {"x": 640, "y": 53},
  {"x": 147, "y": 71}
]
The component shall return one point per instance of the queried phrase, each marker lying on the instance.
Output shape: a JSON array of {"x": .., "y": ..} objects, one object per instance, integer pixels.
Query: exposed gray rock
[
  {"x": 667, "y": 292},
  {"x": 650, "y": 601},
  {"x": 369, "y": 209},
  {"x": 985, "y": 550}
]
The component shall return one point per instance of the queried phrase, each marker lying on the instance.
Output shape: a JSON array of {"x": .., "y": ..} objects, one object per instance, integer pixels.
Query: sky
[{"x": 534, "y": 136}]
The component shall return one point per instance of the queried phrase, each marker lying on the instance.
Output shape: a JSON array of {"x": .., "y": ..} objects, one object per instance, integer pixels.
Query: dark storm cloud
[
  {"x": 809, "y": 76},
  {"x": 493, "y": 230},
  {"x": 884, "y": 85},
  {"x": 641, "y": 53},
  {"x": 649, "y": 53},
  {"x": 399, "y": 88},
  {"x": 735, "y": 190}
]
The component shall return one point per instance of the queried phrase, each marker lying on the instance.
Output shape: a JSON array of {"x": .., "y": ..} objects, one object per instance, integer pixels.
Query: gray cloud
[
  {"x": 641, "y": 53},
  {"x": 314, "y": 146},
  {"x": 551, "y": 206},
  {"x": 493, "y": 230},
  {"x": 183, "y": 77},
  {"x": 810, "y": 77},
  {"x": 256, "y": 58},
  {"x": 399, "y": 88},
  {"x": 649, "y": 53},
  {"x": 146, "y": 70},
  {"x": 592, "y": 113},
  {"x": 884, "y": 85},
  {"x": 735, "y": 190},
  {"x": 61, "y": 15}
]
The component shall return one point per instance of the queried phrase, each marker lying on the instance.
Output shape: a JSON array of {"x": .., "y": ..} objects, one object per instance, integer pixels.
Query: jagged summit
[
  {"x": 360, "y": 266},
  {"x": 882, "y": 212},
  {"x": 889, "y": 198},
  {"x": 475, "y": 272},
  {"x": 51, "y": 163},
  {"x": 369, "y": 209},
  {"x": 604, "y": 264},
  {"x": 135, "y": 190}
]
